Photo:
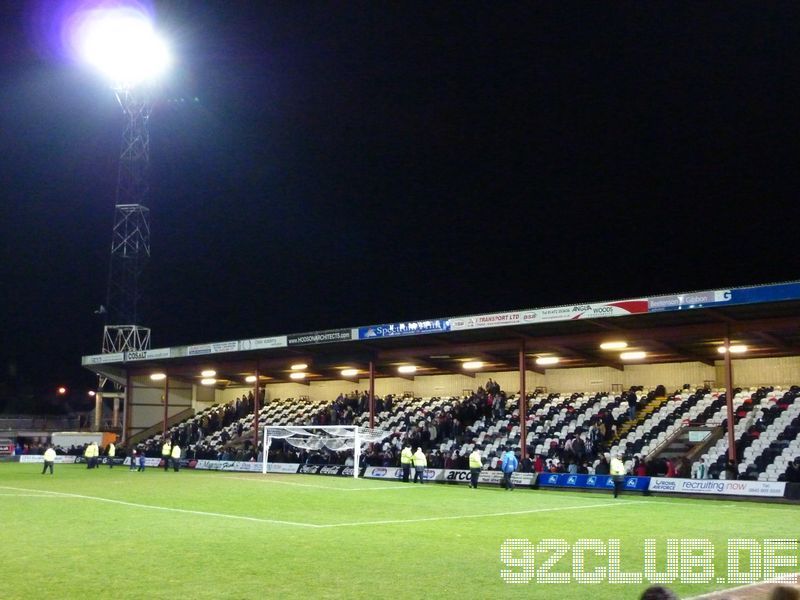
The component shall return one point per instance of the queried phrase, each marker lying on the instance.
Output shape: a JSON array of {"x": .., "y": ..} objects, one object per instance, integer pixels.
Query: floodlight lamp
[
  {"x": 635, "y": 355},
  {"x": 299, "y": 367},
  {"x": 208, "y": 381},
  {"x": 122, "y": 44},
  {"x": 158, "y": 376},
  {"x": 208, "y": 373},
  {"x": 407, "y": 369},
  {"x": 472, "y": 365},
  {"x": 297, "y": 375},
  {"x": 548, "y": 360},
  {"x": 734, "y": 349},
  {"x": 250, "y": 379},
  {"x": 614, "y": 345},
  {"x": 349, "y": 372}
]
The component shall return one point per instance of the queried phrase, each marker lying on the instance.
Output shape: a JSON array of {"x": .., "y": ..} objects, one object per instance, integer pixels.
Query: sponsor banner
[
  {"x": 261, "y": 343},
  {"x": 215, "y": 348},
  {"x": 689, "y": 300},
  {"x": 519, "y": 317},
  {"x": 496, "y": 477},
  {"x": 397, "y": 473},
  {"x": 595, "y": 310},
  {"x": 229, "y": 465},
  {"x": 148, "y": 462},
  {"x": 101, "y": 460},
  {"x": 405, "y": 328},
  {"x": 766, "y": 293},
  {"x": 720, "y": 487},
  {"x": 591, "y": 481},
  {"x": 97, "y": 359},
  {"x": 39, "y": 458},
  {"x": 320, "y": 337},
  {"x": 148, "y": 354},
  {"x": 280, "y": 467}
]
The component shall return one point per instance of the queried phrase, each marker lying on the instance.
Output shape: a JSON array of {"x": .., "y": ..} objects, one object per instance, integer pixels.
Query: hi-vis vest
[
  {"x": 475, "y": 460},
  {"x": 405, "y": 456},
  {"x": 420, "y": 460},
  {"x": 112, "y": 451},
  {"x": 176, "y": 451},
  {"x": 165, "y": 449}
]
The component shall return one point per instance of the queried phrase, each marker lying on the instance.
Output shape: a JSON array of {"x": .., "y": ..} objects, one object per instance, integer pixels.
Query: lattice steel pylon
[{"x": 130, "y": 242}]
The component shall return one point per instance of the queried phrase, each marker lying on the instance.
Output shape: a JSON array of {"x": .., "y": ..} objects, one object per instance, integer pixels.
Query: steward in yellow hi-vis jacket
[
  {"x": 406, "y": 458},
  {"x": 166, "y": 452},
  {"x": 475, "y": 465},
  {"x": 420, "y": 462}
]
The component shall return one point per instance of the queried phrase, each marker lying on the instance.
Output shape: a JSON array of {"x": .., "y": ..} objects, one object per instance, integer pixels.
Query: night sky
[{"x": 356, "y": 163}]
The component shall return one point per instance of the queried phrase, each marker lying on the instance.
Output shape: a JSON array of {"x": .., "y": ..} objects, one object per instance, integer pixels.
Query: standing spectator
[
  {"x": 731, "y": 472},
  {"x": 87, "y": 455},
  {"x": 475, "y": 465},
  {"x": 133, "y": 459},
  {"x": 632, "y": 401},
  {"x": 617, "y": 470},
  {"x": 699, "y": 470},
  {"x": 111, "y": 453},
  {"x": 509, "y": 465},
  {"x": 176, "y": 457},
  {"x": 142, "y": 461},
  {"x": 406, "y": 458},
  {"x": 49, "y": 459},
  {"x": 420, "y": 462},
  {"x": 166, "y": 452}
]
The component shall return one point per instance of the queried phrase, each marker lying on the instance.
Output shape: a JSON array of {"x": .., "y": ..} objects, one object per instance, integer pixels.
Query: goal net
[{"x": 337, "y": 438}]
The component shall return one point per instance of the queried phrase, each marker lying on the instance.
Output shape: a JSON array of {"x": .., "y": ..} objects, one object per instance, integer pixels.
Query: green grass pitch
[{"x": 113, "y": 533}]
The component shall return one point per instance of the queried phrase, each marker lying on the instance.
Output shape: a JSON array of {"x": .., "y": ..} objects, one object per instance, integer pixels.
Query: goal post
[{"x": 316, "y": 437}]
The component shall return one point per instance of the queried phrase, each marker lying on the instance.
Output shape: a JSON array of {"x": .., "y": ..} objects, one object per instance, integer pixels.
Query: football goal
[{"x": 337, "y": 438}]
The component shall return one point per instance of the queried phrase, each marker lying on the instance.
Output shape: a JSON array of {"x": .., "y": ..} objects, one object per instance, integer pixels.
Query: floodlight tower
[{"x": 122, "y": 44}]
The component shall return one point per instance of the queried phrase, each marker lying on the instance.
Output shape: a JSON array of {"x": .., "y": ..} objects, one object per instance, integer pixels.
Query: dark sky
[{"x": 356, "y": 163}]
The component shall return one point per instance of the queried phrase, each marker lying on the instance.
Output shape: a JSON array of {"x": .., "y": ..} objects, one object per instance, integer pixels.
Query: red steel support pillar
[
  {"x": 523, "y": 404},
  {"x": 166, "y": 405},
  {"x": 256, "y": 409},
  {"x": 729, "y": 397},
  {"x": 371, "y": 394}
]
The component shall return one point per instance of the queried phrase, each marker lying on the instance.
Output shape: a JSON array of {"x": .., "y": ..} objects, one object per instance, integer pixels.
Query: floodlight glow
[
  {"x": 299, "y": 367},
  {"x": 613, "y": 345},
  {"x": 735, "y": 349},
  {"x": 547, "y": 360},
  {"x": 250, "y": 379},
  {"x": 632, "y": 355},
  {"x": 158, "y": 376},
  {"x": 407, "y": 369},
  {"x": 62, "y": 390},
  {"x": 92, "y": 393},
  {"x": 208, "y": 381},
  {"x": 349, "y": 372},
  {"x": 472, "y": 365},
  {"x": 297, "y": 375},
  {"x": 208, "y": 373},
  {"x": 121, "y": 43}
]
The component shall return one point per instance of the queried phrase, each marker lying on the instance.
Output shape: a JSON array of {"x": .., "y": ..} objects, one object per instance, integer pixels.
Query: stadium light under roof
[{"x": 122, "y": 44}]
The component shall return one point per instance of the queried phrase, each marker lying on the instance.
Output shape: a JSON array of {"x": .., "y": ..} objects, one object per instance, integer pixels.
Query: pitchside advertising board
[
  {"x": 449, "y": 475},
  {"x": 591, "y": 482},
  {"x": 39, "y": 458},
  {"x": 718, "y": 487}
]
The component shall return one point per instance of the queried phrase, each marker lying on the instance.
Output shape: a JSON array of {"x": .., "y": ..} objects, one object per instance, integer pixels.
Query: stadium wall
[{"x": 754, "y": 372}]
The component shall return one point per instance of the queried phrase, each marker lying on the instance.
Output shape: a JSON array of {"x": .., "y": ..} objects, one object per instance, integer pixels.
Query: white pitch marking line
[
  {"x": 785, "y": 579},
  {"x": 478, "y": 516},
  {"x": 324, "y": 487},
  {"x": 27, "y": 495},
  {"x": 180, "y": 510}
]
